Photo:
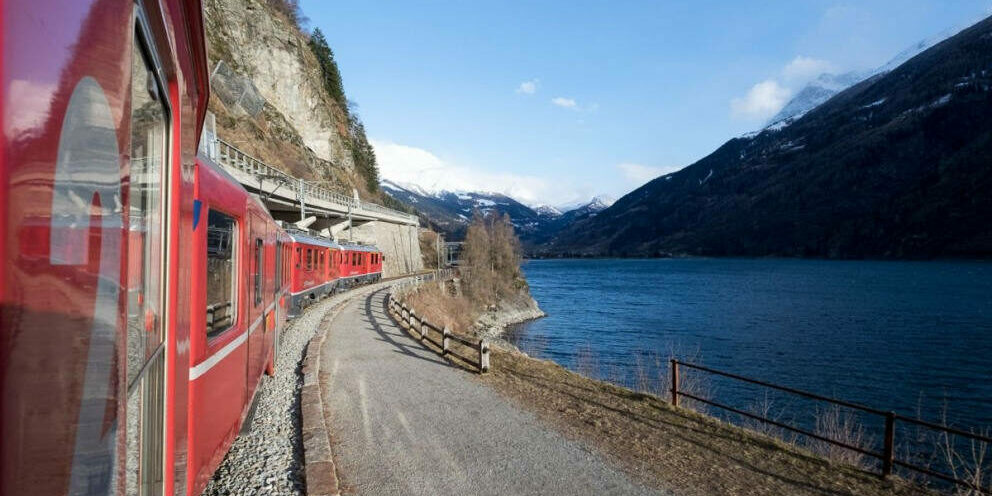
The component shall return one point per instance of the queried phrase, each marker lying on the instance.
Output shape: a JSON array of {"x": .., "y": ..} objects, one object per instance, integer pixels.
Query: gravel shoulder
[
  {"x": 267, "y": 456},
  {"x": 404, "y": 421}
]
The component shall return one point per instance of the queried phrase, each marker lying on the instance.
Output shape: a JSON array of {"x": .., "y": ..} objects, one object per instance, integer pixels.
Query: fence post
[
  {"x": 413, "y": 320},
  {"x": 888, "y": 455},
  {"x": 445, "y": 339},
  {"x": 675, "y": 382},
  {"x": 423, "y": 329},
  {"x": 483, "y": 356}
]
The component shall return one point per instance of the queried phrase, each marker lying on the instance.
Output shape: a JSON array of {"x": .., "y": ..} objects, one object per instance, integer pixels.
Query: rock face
[
  {"x": 264, "y": 46},
  {"x": 520, "y": 308},
  {"x": 399, "y": 244}
]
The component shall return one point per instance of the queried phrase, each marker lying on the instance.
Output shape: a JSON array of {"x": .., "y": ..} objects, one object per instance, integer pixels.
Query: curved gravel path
[
  {"x": 403, "y": 421},
  {"x": 267, "y": 456}
]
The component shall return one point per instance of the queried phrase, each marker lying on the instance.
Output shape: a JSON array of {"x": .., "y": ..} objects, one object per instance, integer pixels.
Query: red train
[
  {"x": 322, "y": 266},
  {"x": 142, "y": 290}
]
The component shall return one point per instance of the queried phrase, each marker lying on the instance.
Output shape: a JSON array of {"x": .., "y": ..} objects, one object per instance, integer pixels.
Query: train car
[
  {"x": 239, "y": 296},
  {"x": 141, "y": 291},
  {"x": 359, "y": 264},
  {"x": 315, "y": 274}
]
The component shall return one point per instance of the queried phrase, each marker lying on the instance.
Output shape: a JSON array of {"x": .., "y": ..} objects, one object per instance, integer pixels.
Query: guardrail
[
  {"x": 407, "y": 318},
  {"x": 887, "y": 457},
  {"x": 230, "y": 156}
]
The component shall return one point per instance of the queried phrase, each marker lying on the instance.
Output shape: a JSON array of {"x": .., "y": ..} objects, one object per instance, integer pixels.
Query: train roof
[
  {"x": 300, "y": 237},
  {"x": 354, "y": 247}
]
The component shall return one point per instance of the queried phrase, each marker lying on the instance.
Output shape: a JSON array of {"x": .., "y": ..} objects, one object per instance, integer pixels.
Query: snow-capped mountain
[
  {"x": 547, "y": 211},
  {"x": 812, "y": 95},
  {"x": 452, "y": 211},
  {"x": 826, "y": 85}
]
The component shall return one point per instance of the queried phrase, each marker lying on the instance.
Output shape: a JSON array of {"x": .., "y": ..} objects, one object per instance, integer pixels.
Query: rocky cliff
[{"x": 269, "y": 97}]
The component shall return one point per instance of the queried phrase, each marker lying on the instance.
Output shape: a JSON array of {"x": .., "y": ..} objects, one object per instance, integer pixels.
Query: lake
[{"x": 911, "y": 337}]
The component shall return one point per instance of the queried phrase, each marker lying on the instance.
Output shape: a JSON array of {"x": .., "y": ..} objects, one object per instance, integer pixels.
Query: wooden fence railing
[{"x": 407, "y": 318}]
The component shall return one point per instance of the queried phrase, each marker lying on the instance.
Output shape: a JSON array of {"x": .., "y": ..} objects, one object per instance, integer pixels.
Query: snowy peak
[
  {"x": 601, "y": 202},
  {"x": 825, "y": 86},
  {"x": 547, "y": 211}
]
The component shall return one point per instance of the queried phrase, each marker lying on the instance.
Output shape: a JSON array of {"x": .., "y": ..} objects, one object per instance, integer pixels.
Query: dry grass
[
  {"x": 441, "y": 308},
  {"x": 669, "y": 448},
  {"x": 843, "y": 426}
]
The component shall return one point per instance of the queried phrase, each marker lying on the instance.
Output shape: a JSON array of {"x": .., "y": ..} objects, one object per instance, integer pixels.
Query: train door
[
  {"x": 147, "y": 201},
  {"x": 256, "y": 301}
]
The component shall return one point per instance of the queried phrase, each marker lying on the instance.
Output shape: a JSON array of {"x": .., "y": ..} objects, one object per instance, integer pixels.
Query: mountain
[
  {"x": 897, "y": 166},
  {"x": 827, "y": 85},
  {"x": 547, "y": 211},
  {"x": 451, "y": 211},
  {"x": 813, "y": 94}
]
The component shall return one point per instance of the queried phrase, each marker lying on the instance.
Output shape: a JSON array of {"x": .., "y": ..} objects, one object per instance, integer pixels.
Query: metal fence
[
  {"x": 887, "y": 456},
  {"x": 230, "y": 156}
]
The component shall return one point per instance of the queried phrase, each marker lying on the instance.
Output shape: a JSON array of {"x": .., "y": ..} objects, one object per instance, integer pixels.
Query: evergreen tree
[{"x": 329, "y": 68}]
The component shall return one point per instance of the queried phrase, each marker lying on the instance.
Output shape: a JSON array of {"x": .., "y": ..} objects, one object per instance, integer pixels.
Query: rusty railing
[{"x": 887, "y": 456}]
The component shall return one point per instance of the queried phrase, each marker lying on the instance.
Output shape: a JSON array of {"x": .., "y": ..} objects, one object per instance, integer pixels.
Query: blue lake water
[{"x": 911, "y": 337}]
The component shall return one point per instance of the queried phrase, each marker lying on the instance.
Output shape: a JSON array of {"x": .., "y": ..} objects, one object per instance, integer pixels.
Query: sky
[{"x": 555, "y": 102}]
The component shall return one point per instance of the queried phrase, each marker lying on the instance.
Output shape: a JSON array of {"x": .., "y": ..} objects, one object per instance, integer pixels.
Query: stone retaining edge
[{"x": 321, "y": 474}]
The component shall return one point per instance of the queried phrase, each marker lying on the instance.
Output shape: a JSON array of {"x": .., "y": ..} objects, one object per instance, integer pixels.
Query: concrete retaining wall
[{"x": 400, "y": 244}]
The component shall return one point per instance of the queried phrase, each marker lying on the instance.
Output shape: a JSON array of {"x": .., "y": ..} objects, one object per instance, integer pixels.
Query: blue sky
[{"x": 553, "y": 102}]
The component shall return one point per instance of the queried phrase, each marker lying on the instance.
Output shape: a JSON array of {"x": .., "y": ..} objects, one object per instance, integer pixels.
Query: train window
[
  {"x": 278, "y": 264},
  {"x": 221, "y": 274},
  {"x": 146, "y": 202},
  {"x": 309, "y": 259},
  {"x": 299, "y": 257},
  {"x": 259, "y": 262}
]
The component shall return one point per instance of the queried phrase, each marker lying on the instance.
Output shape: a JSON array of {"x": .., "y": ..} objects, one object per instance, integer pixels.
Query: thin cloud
[
  {"x": 640, "y": 174},
  {"x": 805, "y": 68},
  {"x": 565, "y": 102},
  {"x": 528, "y": 87},
  {"x": 762, "y": 101}
]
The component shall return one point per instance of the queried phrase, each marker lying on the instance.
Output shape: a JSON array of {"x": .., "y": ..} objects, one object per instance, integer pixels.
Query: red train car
[
  {"x": 142, "y": 290},
  {"x": 314, "y": 273},
  {"x": 322, "y": 266},
  {"x": 240, "y": 283},
  {"x": 359, "y": 264},
  {"x": 111, "y": 334}
]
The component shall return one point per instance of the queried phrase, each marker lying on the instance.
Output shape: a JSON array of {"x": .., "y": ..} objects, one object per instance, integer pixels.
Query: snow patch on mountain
[{"x": 825, "y": 86}]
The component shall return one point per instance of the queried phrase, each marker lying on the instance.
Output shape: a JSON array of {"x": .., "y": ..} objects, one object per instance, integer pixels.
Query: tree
[
  {"x": 491, "y": 259},
  {"x": 362, "y": 152},
  {"x": 331, "y": 76}
]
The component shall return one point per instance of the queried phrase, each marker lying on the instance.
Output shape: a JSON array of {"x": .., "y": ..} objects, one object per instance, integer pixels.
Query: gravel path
[
  {"x": 405, "y": 422},
  {"x": 267, "y": 456}
]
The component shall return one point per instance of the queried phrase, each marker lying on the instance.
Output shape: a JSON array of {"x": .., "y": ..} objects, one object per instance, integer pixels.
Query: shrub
[{"x": 291, "y": 9}]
